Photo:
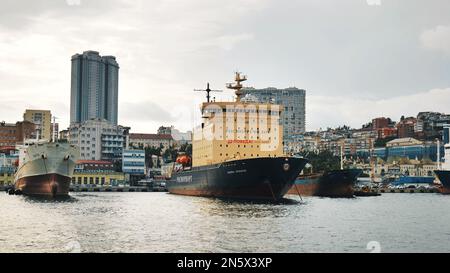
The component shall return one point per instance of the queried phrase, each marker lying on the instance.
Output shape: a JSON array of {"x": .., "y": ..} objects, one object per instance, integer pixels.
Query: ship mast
[
  {"x": 208, "y": 91},
  {"x": 438, "y": 154},
  {"x": 237, "y": 85},
  {"x": 54, "y": 135}
]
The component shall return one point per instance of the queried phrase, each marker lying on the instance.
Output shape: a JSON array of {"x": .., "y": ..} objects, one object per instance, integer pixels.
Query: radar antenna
[{"x": 208, "y": 91}]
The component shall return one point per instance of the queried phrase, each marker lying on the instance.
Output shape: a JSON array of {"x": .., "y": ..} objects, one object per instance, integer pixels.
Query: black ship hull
[
  {"x": 444, "y": 177},
  {"x": 337, "y": 184},
  {"x": 248, "y": 179}
]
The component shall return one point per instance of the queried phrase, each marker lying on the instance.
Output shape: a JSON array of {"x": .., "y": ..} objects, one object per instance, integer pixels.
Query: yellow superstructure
[{"x": 237, "y": 130}]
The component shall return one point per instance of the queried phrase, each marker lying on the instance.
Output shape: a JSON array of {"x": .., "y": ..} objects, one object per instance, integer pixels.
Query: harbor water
[{"x": 161, "y": 222}]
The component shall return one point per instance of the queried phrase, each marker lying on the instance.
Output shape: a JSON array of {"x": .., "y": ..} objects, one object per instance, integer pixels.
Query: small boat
[
  {"x": 444, "y": 174},
  {"x": 366, "y": 192}
]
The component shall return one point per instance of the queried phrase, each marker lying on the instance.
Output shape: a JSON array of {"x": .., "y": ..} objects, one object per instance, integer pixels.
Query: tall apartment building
[
  {"x": 292, "y": 99},
  {"x": 99, "y": 139},
  {"x": 43, "y": 121},
  {"x": 94, "y": 87}
]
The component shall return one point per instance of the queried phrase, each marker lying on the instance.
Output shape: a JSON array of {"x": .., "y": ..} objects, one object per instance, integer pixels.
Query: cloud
[
  {"x": 437, "y": 39},
  {"x": 146, "y": 116},
  {"x": 373, "y": 2},
  {"x": 328, "y": 111},
  {"x": 228, "y": 42},
  {"x": 144, "y": 111},
  {"x": 166, "y": 48}
]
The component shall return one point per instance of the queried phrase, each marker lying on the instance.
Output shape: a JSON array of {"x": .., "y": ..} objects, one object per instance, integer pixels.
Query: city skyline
[{"x": 363, "y": 62}]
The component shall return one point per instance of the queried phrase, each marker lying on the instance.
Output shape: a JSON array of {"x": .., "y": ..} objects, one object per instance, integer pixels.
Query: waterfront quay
[
  {"x": 431, "y": 190},
  {"x": 117, "y": 189},
  {"x": 77, "y": 188}
]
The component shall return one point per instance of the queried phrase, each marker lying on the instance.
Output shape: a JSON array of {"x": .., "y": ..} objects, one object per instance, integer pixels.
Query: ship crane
[{"x": 208, "y": 92}]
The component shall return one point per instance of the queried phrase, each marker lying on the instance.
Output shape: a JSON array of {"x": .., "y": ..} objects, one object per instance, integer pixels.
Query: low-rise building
[
  {"x": 432, "y": 124},
  {"x": 403, "y": 142},
  {"x": 94, "y": 166},
  {"x": 413, "y": 149},
  {"x": 406, "y": 127},
  {"x": 6, "y": 176},
  {"x": 12, "y": 134},
  {"x": 151, "y": 140},
  {"x": 133, "y": 165},
  {"x": 97, "y": 173},
  {"x": 64, "y": 135},
  {"x": 98, "y": 179},
  {"x": 387, "y": 132},
  {"x": 379, "y": 123}
]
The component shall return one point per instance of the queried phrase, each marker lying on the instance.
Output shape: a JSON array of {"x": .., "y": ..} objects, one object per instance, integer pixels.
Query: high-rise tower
[{"x": 94, "y": 88}]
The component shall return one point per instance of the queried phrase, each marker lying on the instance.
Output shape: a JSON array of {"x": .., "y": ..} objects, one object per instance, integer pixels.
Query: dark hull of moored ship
[
  {"x": 338, "y": 184},
  {"x": 248, "y": 179},
  {"x": 444, "y": 177},
  {"x": 51, "y": 185}
]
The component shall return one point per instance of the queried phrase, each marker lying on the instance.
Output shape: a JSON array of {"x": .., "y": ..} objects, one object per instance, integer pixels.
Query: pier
[
  {"x": 106, "y": 189},
  {"x": 409, "y": 190}
]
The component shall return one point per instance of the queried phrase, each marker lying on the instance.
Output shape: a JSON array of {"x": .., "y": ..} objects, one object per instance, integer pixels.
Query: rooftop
[
  {"x": 93, "y": 162},
  {"x": 151, "y": 136},
  {"x": 403, "y": 142}
]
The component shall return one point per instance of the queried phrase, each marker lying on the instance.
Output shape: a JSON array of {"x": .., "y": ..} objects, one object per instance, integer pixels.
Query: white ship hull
[{"x": 46, "y": 169}]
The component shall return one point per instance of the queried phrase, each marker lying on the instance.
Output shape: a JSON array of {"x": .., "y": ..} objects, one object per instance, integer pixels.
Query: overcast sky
[{"x": 357, "y": 59}]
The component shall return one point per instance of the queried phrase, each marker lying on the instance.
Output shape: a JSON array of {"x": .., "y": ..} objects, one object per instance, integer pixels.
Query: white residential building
[{"x": 99, "y": 139}]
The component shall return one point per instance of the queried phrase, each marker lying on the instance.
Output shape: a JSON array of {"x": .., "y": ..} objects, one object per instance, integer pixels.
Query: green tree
[
  {"x": 381, "y": 142},
  {"x": 323, "y": 161},
  {"x": 170, "y": 154},
  {"x": 150, "y": 152},
  {"x": 186, "y": 148}
]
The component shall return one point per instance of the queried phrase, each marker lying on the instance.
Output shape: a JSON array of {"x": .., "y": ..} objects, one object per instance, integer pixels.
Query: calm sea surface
[{"x": 160, "y": 222}]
